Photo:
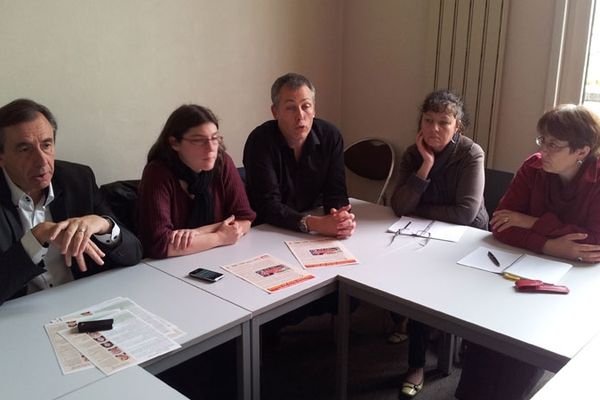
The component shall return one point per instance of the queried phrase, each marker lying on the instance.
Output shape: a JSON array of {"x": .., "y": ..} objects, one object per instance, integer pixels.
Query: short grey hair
[{"x": 293, "y": 81}]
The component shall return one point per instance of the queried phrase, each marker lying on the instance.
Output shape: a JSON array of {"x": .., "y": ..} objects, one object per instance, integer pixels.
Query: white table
[
  {"x": 28, "y": 362},
  {"x": 577, "y": 379},
  {"x": 269, "y": 239},
  {"x": 427, "y": 285},
  {"x": 131, "y": 384}
]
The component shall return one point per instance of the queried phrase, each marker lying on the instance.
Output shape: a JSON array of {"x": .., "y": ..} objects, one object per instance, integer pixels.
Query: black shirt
[{"x": 280, "y": 188}]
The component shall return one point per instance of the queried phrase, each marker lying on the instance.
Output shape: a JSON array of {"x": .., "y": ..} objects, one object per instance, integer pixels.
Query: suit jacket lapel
[{"x": 58, "y": 207}]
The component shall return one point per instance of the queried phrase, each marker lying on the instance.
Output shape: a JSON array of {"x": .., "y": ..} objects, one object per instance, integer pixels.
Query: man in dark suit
[{"x": 51, "y": 212}]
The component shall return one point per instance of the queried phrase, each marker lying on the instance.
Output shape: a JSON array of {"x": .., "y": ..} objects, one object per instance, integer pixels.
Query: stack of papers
[
  {"x": 415, "y": 226},
  {"x": 516, "y": 264},
  {"x": 137, "y": 336}
]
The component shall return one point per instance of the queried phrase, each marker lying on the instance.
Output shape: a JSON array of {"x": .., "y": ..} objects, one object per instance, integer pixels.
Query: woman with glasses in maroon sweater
[
  {"x": 191, "y": 197},
  {"x": 551, "y": 207}
]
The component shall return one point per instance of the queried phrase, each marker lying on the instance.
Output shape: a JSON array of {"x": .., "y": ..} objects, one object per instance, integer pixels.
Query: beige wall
[
  {"x": 526, "y": 64},
  {"x": 112, "y": 71}
]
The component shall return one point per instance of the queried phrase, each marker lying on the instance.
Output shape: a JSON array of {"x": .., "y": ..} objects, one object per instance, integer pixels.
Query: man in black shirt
[{"x": 295, "y": 163}]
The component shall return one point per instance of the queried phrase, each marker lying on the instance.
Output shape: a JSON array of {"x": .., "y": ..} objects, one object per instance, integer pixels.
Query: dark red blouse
[
  {"x": 163, "y": 205},
  {"x": 561, "y": 209}
]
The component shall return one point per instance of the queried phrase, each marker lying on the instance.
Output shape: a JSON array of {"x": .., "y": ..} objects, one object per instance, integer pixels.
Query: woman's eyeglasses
[
  {"x": 549, "y": 145},
  {"x": 217, "y": 139}
]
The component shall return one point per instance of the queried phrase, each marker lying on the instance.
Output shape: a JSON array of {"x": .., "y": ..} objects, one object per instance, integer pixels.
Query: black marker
[{"x": 493, "y": 258}]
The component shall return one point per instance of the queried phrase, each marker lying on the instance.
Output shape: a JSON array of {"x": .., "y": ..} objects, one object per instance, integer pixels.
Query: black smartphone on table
[{"x": 206, "y": 275}]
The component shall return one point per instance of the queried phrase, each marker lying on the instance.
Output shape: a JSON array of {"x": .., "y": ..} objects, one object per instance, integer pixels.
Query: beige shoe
[
  {"x": 410, "y": 390},
  {"x": 397, "y": 337}
]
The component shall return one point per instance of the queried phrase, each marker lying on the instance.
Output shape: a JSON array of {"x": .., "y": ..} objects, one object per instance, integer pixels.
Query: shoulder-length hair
[{"x": 179, "y": 122}]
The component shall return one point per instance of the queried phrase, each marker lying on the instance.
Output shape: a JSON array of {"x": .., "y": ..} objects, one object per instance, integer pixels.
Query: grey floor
[{"x": 301, "y": 365}]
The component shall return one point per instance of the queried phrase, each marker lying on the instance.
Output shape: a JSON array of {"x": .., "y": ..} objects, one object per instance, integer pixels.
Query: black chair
[
  {"x": 242, "y": 172},
  {"x": 496, "y": 184},
  {"x": 121, "y": 196},
  {"x": 373, "y": 159}
]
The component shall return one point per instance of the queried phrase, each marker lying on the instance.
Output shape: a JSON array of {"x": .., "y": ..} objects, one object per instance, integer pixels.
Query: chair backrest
[
  {"x": 373, "y": 159},
  {"x": 496, "y": 184},
  {"x": 121, "y": 196},
  {"x": 242, "y": 172}
]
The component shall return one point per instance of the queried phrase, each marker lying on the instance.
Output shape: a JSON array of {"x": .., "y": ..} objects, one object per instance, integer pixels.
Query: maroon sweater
[
  {"x": 163, "y": 206},
  {"x": 560, "y": 209}
]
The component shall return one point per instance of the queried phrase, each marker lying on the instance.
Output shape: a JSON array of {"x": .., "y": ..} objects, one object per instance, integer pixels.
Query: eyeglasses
[
  {"x": 550, "y": 145},
  {"x": 217, "y": 139}
]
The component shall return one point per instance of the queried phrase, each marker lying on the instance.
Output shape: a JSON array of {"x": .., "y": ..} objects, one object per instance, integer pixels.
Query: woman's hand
[
  {"x": 567, "y": 247},
  {"x": 504, "y": 219},
  {"x": 181, "y": 239},
  {"x": 230, "y": 231},
  {"x": 427, "y": 154}
]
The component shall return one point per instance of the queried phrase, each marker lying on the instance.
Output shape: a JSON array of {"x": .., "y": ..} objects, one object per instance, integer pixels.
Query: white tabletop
[
  {"x": 577, "y": 379},
  {"x": 131, "y": 384},
  {"x": 484, "y": 306},
  {"x": 28, "y": 362},
  {"x": 364, "y": 245}
]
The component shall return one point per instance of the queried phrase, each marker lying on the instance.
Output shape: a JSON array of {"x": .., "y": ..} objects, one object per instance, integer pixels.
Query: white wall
[
  {"x": 112, "y": 71},
  {"x": 526, "y": 64}
]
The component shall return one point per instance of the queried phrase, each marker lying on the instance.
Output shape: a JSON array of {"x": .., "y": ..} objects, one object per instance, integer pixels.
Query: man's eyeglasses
[
  {"x": 217, "y": 139},
  {"x": 549, "y": 145}
]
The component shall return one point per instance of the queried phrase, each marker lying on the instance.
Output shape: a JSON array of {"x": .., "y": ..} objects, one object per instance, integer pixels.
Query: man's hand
[
  {"x": 339, "y": 223},
  {"x": 72, "y": 236},
  {"x": 567, "y": 247}
]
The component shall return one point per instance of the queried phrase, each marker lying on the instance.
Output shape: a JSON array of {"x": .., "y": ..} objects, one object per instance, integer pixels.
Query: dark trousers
[
  {"x": 418, "y": 340},
  {"x": 489, "y": 375}
]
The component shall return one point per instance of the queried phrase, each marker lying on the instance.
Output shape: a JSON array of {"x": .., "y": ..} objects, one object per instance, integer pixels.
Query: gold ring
[
  {"x": 81, "y": 230},
  {"x": 506, "y": 219}
]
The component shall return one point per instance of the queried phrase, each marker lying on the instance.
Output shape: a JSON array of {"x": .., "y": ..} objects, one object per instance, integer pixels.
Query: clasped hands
[
  {"x": 339, "y": 223},
  {"x": 565, "y": 246},
  {"x": 72, "y": 237}
]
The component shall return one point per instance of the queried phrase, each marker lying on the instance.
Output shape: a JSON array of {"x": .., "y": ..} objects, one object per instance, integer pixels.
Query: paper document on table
[
  {"x": 516, "y": 264},
  {"x": 268, "y": 273},
  {"x": 124, "y": 303},
  {"x": 131, "y": 341},
  {"x": 320, "y": 253},
  {"x": 415, "y": 226},
  {"x": 69, "y": 358}
]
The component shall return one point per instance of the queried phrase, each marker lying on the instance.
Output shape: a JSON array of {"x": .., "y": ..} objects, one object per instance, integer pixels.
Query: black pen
[{"x": 493, "y": 258}]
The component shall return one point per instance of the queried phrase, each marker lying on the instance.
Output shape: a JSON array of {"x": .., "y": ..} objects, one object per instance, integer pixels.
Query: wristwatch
[{"x": 302, "y": 225}]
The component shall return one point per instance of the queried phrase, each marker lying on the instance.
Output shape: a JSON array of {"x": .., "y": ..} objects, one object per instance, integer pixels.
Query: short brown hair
[
  {"x": 572, "y": 123},
  {"x": 22, "y": 110}
]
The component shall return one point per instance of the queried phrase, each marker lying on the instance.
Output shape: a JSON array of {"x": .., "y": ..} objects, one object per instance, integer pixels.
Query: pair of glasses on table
[{"x": 423, "y": 235}]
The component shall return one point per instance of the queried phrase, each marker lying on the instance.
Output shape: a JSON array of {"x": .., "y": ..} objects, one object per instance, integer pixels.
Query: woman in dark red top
[
  {"x": 552, "y": 207},
  {"x": 191, "y": 197}
]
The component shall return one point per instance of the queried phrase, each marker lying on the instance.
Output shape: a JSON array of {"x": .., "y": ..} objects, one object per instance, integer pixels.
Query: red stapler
[{"x": 533, "y": 285}]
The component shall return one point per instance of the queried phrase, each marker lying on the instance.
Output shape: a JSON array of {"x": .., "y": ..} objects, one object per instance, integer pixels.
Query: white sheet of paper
[
  {"x": 518, "y": 264},
  {"x": 437, "y": 229}
]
